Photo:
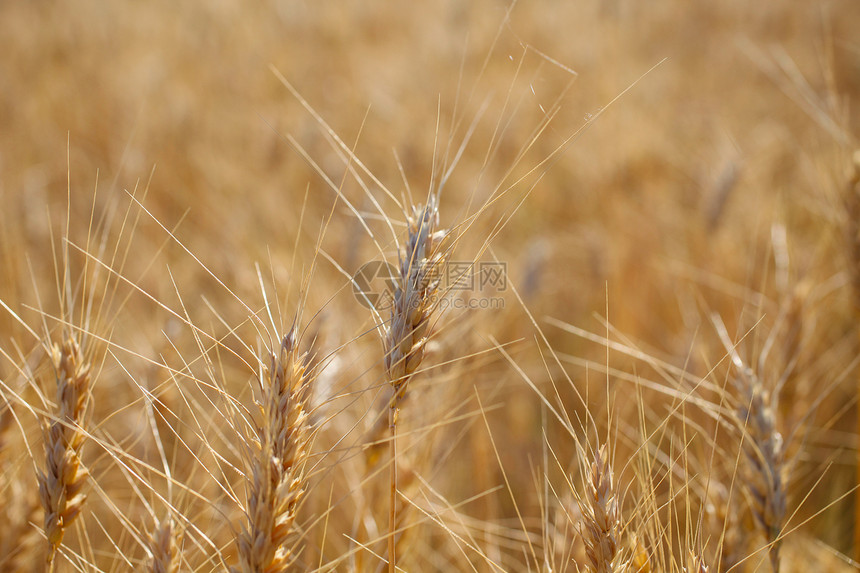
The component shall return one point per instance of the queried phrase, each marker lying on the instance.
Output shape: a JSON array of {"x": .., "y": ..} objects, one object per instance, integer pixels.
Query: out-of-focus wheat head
[
  {"x": 722, "y": 509},
  {"x": 697, "y": 563},
  {"x": 765, "y": 475},
  {"x": 164, "y": 545},
  {"x": 21, "y": 507},
  {"x": 277, "y": 466},
  {"x": 640, "y": 562},
  {"x": 62, "y": 481}
]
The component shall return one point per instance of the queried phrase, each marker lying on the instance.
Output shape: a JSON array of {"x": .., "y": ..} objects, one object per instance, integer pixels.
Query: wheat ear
[
  {"x": 164, "y": 546},
  {"x": 640, "y": 562},
  {"x": 277, "y": 463},
  {"x": 61, "y": 483},
  {"x": 723, "y": 511},
  {"x": 415, "y": 302},
  {"x": 20, "y": 505},
  {"x": 697, "y": 563},
  {"x": 601, "y": 524},
  {"x": 765, "y": 461}
]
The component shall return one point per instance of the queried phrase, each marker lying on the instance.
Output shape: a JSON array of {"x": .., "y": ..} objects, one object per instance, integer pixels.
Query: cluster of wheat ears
[
  {"x": 669, "y": 384},
  {"x": 675, "y": 514}
]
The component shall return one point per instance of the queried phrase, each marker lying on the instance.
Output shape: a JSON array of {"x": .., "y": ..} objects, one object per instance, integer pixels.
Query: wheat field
[{"x": 436, "y": 286}]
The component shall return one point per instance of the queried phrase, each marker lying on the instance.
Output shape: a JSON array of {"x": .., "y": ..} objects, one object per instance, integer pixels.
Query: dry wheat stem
[
  {"x": 392, "y": 483},
  {"x": 61, "y": 483},
  {"x": 279, "y": 455},
  {"x": 415, "y": 302},
  {"x": 852, "y": 231}
]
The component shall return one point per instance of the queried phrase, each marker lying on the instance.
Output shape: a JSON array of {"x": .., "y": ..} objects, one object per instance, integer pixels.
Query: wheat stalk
[
  {"x": 414, "y": 304},
  {"x": 61, "y": 483},
  {"x": 852, "y": 232},
  {"x": 279, "y": 455}
]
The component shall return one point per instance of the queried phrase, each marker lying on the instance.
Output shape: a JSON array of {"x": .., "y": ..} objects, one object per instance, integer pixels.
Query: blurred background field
[{"x": 652, "y": 175}]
